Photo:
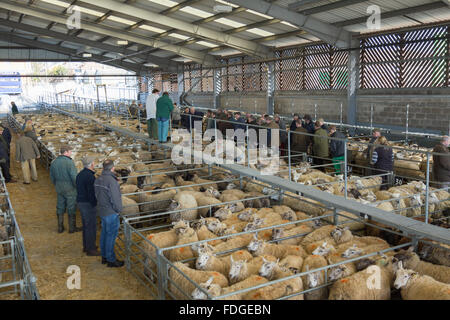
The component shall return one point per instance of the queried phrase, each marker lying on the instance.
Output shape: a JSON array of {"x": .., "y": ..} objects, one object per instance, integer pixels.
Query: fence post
[
  {"x": 289, "y": 154},
  {"x": 407, "y": 121},
  {"x": 127, "y": 233}
]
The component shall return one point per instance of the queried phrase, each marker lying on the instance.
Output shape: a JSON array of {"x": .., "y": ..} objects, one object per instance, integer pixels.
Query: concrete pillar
[
  {"x": 217, "y": 87},
  {"x": 270, "y": 87},
  {"x": 353, "y": 81}
]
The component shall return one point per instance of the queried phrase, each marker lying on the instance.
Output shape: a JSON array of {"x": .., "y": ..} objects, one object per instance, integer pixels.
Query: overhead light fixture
[
  {"x": 222, "y": 8},
  {"x": 122, "y": 42},
  {"x": 87, "y": 55}
]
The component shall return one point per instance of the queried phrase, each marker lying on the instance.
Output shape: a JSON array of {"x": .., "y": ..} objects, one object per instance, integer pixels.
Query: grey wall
[{"x": 429, "y": 109}]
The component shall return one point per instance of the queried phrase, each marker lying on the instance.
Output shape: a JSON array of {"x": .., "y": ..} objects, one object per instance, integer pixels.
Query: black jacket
[
  {"x": 383, "y": 158},
  {"x": 85, "y": 187},
  {"x": 239, "y": 124},
  {"x": 197, "y": 116},
  {"x": 7, "y": 135},
  {"x": 293, "y": 126},
  {"x": 337, "y": 148},
  {"x": 309, "y": 127}
]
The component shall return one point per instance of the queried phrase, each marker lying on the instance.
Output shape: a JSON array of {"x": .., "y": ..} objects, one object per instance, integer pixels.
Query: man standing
[
  {"x": 164, "y": 107},
  {"x": 376, "y": 133},
  {"x": 320, "y": 146},
  {"x": 283, "y": 135},
  {"x": 176, "y": 115},
  {"x": 441, "y": 163},
  {"x": 383, "y": 160},
  {"x": 337, "y": 149},
  {"x": 26, "y": 153},
  {"x": 87, "y": 204},
  {"x": 7, "y": 136},
  {"x": 195, "y": 116},
  {"x": 14, "y": 108},
  {"x": 270, "y": 124},
  {"x": 239, "y": 122},
  {"x": 308, "y": 124},
  {"x": 4, "y": 158},
  {"x": 150, "y": 106},
  {"x": 109, "y": 202},
  {"x": 300, "y": 139},
  {"x": 63, "y": 174}
]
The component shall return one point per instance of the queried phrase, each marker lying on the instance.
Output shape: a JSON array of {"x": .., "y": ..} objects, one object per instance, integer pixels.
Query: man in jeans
[
  {"x": 150, "y": 106},
  {"x": 164, "y": 107},
  {"x": 109, "y": 203},
  {"x": 87, "y": 204}
]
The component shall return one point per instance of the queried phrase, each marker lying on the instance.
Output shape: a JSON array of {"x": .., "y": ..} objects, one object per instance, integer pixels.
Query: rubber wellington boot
[
  {"x": 72, "y": 224},
  {"x": 60, "y": 223}
]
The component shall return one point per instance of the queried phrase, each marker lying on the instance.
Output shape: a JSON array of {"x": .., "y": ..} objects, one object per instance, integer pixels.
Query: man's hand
[{"x": 38, "y": 157}]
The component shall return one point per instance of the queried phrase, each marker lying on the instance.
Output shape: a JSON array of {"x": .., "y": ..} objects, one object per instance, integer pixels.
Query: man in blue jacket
[
  {"x": 87, "y": 204},
  {"x": 109, "y": 203}
]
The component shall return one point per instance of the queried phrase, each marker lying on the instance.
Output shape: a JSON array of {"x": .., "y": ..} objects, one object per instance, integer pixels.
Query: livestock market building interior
[{"x": 264, "y": 150}]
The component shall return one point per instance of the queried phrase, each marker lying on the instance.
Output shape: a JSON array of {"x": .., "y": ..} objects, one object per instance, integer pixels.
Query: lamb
[
  {"x": 314, "y": 279},
  {"x": 318, "y": 234},
  {"x": 437, "y": 255},
  {"x": 340, "y": 271},
  {"x": 125, "y": 189},
  {"x": 261, "y": 247},
  {"x": 161, "y": 240},
  {"x": 207, "y": 201},
  {"x": 210, "y": 262},
  {"x": 130, "y": 207},
  {"x": 273, "y": 270},
  {"x": 180, "y": 182},
  {"x": 204, "y": 234},
  {"x": 341, "y": 235},
  {"x": 279, "y": 289},
  {"x": 292, "y": 263},
  {"x": 185, "y": 236},
  {"x": 234, "y": 243},
  {"x": 321, "y": 247},
  {"x": 278, "y": 233},
  {"x": 182, "y": 201},
  {"x": 285, "y": 212},
  {"x": 150, "y": 202},
  {"x": 412, "y": 261},
  {"x": 198, "y": 276},
  {"x": 210, "y": 184},
  {"x": 420, "y": 287},
  {"x": 360, "y": 286},
  {"x": 216, "y": 290},
  {"x": 242, "y": 269}
]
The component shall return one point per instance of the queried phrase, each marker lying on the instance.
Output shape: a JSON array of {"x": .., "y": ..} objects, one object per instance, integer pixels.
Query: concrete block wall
[{"x": 429, "y": 109}]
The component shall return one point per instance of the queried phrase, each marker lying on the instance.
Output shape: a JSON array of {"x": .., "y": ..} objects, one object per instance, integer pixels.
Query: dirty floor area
[{"x": 50, "y": 253}]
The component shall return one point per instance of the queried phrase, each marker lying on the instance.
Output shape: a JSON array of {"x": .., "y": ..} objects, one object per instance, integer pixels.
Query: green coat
[
  {"x": 164, "y": 107},
  {"x": 63, "y": 174},
  {"x": 320, "y": 146}
]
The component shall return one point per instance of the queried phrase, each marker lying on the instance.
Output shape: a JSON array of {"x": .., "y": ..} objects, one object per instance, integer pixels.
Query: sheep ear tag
[{"x": 210, "y": 280}]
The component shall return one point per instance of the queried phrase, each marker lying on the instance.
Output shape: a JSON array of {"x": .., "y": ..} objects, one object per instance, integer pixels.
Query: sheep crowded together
[{"x": 297, "y": 233}]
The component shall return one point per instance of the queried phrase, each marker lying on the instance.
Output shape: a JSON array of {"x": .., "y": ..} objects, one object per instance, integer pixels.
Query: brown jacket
[
  {"x": 26, "y": 149},
  {"x": 300, "y": 141},
  {"x": 441, "y": 164}
]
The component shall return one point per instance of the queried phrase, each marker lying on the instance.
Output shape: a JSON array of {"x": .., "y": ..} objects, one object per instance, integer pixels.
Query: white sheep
[
  {"x": 280, "y": 232},
  {"x": 314, "y": 279},
  {"x": 185, "y": 236},
  {"x": 216, "y": 290},
  {"x": 242, "y": 269},
  {"x": 318, "y": 234},
  {"x": 260, "y": 247},
  {"x": 420, "y": 287},
  {"x": 210, "y": 262},
  {"x": 185, "y": 202},
  {"x": 198, "y": 276},
  {"x": 412, "y": 261}
]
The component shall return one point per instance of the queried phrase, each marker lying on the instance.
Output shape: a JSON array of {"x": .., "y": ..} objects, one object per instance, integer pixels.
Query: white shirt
[{"x": 150, "y": 105}]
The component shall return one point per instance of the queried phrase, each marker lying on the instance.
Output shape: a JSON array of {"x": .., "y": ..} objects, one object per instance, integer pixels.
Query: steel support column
[
  {"x": 180, "y": 81},
  {"x": 270, "y": 87},
  {"x": 353, "y": 81},
  {"x": 217, "y": 84}
]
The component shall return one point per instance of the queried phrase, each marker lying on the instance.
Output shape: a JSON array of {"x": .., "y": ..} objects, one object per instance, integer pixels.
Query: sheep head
[
  {"x": 255, "y": 245},
  {"x": 322, "y": 250},
  {"x": 338, "y": 233},
  {"x": 255, "y": 224},
  {"x": 336, "y": 273},
  {"x": 402, "y": 276},
  {"x": 363, "y": 264},
  {"x": 246, "y": 215},
  {"x": 202, "y": 260},
  {"x": 215, "y": 226},
  {"x": 289, "y": 215},
  {"x": 277, "y": 233},
  {"x": 230, "y": 186},
  {"x": 223, "y": 213},
  {"x": 312, "y": 279},
  {"x": 351, "y": 252},
  {"x": 213, "y": 290},
  {"x": 237, "y": 268},
  {"x": 267, "y": 268},
  {"x": 213, "y": 192},
  {"x": 202, "y": 248}
]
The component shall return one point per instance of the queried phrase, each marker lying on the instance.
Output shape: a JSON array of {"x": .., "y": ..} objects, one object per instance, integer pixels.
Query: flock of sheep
[{"x": 305, "y": 241}]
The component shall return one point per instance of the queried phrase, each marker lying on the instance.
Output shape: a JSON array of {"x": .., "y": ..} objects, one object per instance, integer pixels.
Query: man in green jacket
[
  {"x": 63, "y": 174},
  {"x": 320, "y": 146},
  {"x": 164, "y": 107}
]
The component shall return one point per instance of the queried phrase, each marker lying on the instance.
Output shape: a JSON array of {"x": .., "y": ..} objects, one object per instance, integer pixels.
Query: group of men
[
  {"x": 159, "y": 111},
  {"x": 94, "y": 196}
]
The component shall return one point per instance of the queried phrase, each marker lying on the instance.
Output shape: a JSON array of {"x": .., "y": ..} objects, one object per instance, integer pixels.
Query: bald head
[{"x": 445, "y": 141}]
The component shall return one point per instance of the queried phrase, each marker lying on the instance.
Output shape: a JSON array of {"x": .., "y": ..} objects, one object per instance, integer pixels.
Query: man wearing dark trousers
[
  {"x": 109, "y": 203},
  {"x": 7, "y": 136},
  {"x": 87, "y": 204}
]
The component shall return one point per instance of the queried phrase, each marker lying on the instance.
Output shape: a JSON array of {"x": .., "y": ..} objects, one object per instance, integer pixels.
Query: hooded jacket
[{"x": 108, "y": 195}]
